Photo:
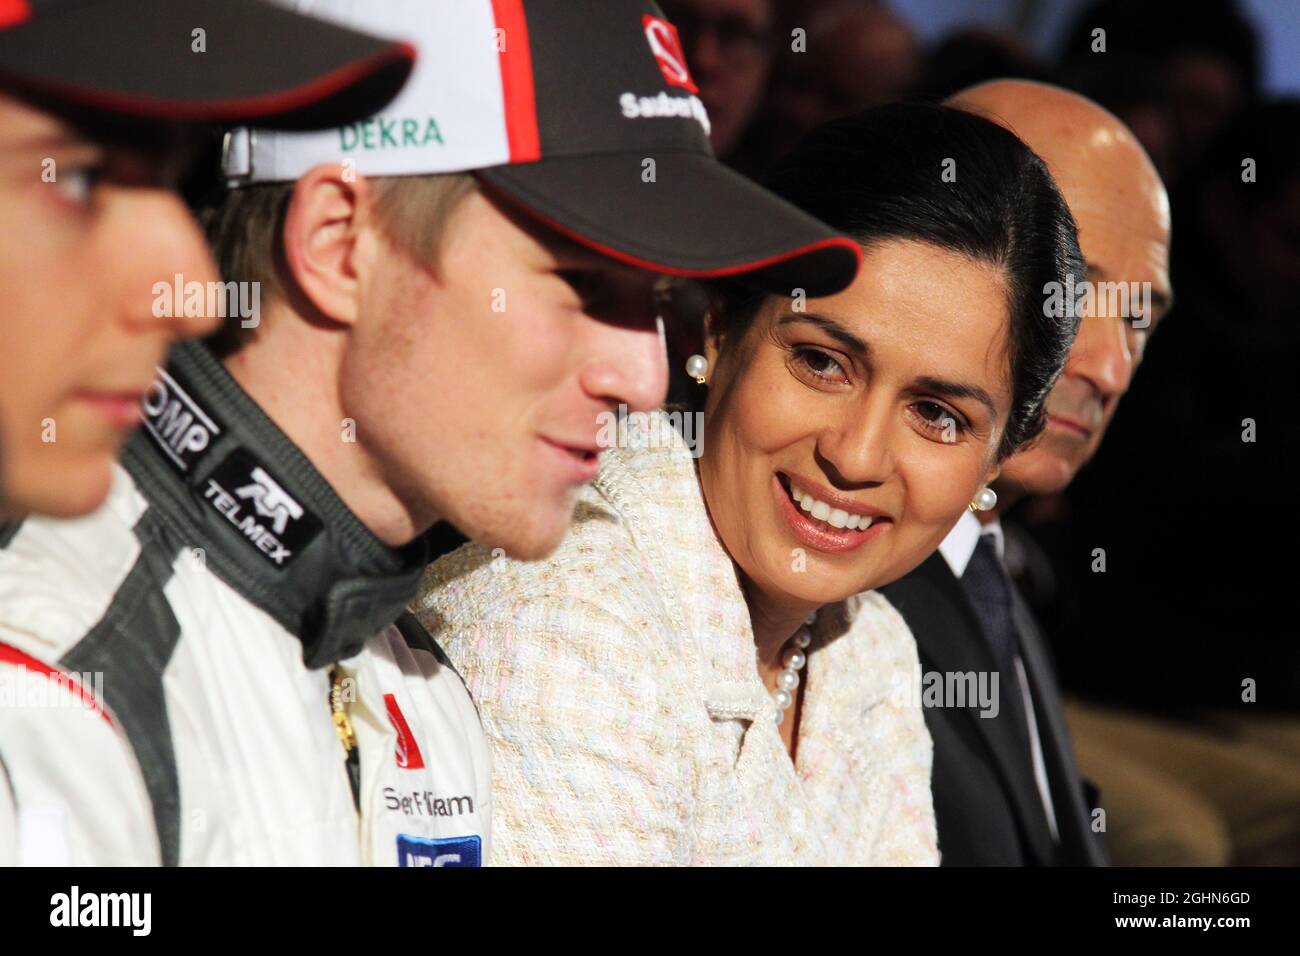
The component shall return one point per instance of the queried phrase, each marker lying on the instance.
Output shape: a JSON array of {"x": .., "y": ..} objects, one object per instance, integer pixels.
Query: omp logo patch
[
  {"x": 666, "y": 46},
  {"x": 256, "y": 505},
  {"x": 182, "y": 428},
  {"x": 451, "y": 851}
]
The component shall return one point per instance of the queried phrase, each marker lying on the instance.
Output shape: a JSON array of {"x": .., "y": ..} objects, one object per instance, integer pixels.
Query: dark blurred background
[{"x": 1185, "y": 646}]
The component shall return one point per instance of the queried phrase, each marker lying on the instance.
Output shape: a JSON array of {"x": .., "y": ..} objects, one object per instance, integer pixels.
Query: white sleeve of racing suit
[{"x": 72, "y": 792}]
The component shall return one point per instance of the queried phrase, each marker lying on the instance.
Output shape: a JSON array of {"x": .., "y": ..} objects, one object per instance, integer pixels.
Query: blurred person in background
[
  {"x": 974, "y": 55},
  {"x": 854, "y": 54},
  {"x": 728, "y": 45},
  {"x": 1207, "y": 58}
]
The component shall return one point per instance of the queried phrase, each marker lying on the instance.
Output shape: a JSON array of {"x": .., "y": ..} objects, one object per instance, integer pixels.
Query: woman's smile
[{"x": 826, "y": 525}]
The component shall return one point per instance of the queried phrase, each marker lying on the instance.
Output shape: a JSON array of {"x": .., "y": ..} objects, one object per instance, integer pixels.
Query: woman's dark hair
[{"x": 957, "y": 181}]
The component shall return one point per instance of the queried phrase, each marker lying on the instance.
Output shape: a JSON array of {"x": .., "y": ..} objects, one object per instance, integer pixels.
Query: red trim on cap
[
  {"x": 516, "y": 64},
  {"x": 12, "y": 655},
  {"x": 631, "y": 260},
  {"x": 260, "y": 107},
  {"x": 13, "y": 12}
]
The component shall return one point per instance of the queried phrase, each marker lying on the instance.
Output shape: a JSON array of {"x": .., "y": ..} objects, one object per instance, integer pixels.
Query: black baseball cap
[
  {"x": 147, "y": 60},
  {"x": 583, "y": 114},
  {"x": 625, "y": 97}
]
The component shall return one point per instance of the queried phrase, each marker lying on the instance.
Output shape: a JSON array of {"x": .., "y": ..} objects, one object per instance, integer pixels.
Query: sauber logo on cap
[
  {"x": 667, "y": 48},
  {"x": 408, "y": 751}
]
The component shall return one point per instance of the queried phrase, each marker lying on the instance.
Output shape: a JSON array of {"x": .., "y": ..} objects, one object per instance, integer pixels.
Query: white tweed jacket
[{"x": 618, "y": 686}]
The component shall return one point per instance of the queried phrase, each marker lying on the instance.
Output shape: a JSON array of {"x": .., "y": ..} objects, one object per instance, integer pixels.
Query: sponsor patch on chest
[{"x": 434, "y": 851}]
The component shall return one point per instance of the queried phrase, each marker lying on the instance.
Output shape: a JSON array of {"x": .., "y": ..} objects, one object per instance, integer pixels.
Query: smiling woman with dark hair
[{"x": 703, "y": 673}]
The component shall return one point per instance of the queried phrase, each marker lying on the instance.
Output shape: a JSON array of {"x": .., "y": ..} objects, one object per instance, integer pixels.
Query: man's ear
[{"x": 322, "y": 226}]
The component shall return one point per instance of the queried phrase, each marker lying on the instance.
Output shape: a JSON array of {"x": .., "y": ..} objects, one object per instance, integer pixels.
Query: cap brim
[
  {"x": 696, "y": 218},
  {"x": 261, "y": 64}
]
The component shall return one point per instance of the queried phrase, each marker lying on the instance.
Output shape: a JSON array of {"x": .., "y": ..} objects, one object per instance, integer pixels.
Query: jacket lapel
[
  {"x": 1074, "y": 817},
  {"x": 955, "y": 642}
]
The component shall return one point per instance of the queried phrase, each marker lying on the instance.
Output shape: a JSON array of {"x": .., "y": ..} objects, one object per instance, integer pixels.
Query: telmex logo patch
[
  {"x": 270, "y": 519},
  {"x": 270, "y": 500}
]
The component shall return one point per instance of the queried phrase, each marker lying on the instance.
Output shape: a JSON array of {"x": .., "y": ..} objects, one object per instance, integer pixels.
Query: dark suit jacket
[{"x": 987, "y": 806}]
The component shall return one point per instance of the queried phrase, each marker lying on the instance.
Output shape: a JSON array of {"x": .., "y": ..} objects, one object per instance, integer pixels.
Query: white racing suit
[{"x": 182, "y": 672}]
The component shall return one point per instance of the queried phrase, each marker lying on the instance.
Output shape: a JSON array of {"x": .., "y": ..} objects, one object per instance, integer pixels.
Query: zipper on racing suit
[{"x": 339, "y": 693}]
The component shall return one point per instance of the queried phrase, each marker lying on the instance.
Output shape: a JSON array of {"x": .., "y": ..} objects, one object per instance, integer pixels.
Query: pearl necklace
[{"x": 795, "y": 659}]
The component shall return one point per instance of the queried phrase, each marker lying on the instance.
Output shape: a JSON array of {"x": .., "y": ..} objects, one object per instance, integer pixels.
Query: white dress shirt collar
[{"x": 958, "y": 547}]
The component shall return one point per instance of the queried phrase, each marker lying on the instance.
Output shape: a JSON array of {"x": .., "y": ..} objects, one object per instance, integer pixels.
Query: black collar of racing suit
[{"x": 244, "y": 500}]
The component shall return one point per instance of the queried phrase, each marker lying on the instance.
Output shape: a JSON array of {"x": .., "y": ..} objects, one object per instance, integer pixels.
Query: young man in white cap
[{"x": 431, "y": 346}]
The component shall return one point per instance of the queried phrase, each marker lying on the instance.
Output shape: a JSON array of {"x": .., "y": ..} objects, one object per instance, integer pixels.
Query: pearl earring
[
  {"x": 697, "y": 367},
  {"x": 986, "y": 499}
]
